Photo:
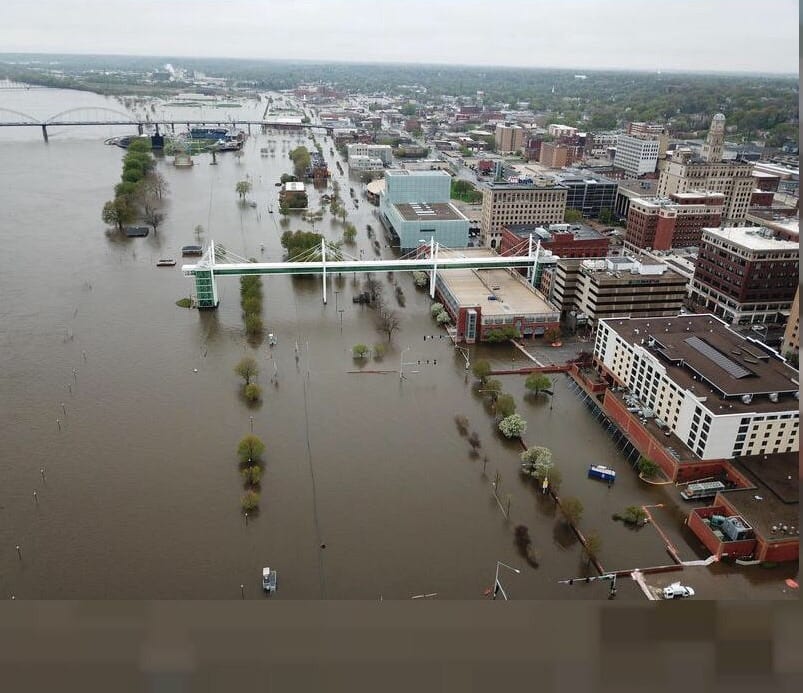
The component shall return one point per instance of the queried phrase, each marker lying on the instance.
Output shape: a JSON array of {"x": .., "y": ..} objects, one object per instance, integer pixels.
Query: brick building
[
  {"x": 674, "y": 222},
  {"x": 746, "y": 274},
  {"x": 563, "y": 240}
]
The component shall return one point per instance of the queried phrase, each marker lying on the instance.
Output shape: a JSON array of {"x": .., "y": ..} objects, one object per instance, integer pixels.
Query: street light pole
[{"x": 498, "y": 585}]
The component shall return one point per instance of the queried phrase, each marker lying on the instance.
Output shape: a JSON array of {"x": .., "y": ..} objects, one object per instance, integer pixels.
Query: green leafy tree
[
  {"x": 349, "y": 233},
  {"x": 572, "y": 509},
  {"x": 443, "y": 318},
  {"x": 379, "y": 350},
  {"x": 647, "y": 468},
  {"x": 250, "y": 449},
  {"x": 249, "y": 501},
  {"x": 633, "y": 515},
  {"x": 242, "y": 188},
  {"x": 481, "y": 370},
  {"x": 252, "y": 392},
  {"x": 505, "y": 406},
  {"x": 572, "y": 216},
  {"x": 492, "y": 388},
  {"x": 435, "y": 309},
  {"x": 299, "y": 242},
  {"x": 537, "y": 462},
  {"x": 253, "y": 325},
  {"x": 359, "y": 351},
  {"x": 513, "y": 426},
  {"x": 537, "y": 382},
  {"x": 118, "y": 212},
  {"x": 252, "y": 475},
  {"x": 247, "y": 368},
  {"x": 502, "y": 334}
]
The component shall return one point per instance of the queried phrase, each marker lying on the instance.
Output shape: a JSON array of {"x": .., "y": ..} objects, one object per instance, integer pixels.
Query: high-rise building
[
  {"x": 539, "y": 203},
  {"x": 660, "y": 224},
  {"x": 509, "y": 138},
  {"x": 715, "y": 141},
  {"x": 745, "y": 274},
  {"x": 636, "y": 155},
  {"x": 656, "y": 130}
]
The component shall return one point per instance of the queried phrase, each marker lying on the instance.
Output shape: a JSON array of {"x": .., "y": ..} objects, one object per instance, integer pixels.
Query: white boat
[{"x": 268, "y": 580}]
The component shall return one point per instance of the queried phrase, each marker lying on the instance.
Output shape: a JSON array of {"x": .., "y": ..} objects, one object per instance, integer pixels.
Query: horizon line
[{"x": 324, "y": 61}]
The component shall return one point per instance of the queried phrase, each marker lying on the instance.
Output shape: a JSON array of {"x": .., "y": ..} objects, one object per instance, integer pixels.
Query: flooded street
[{"x": 369, "y": 489}]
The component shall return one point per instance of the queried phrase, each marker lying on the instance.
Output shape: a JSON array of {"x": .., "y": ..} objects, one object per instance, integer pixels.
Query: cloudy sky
[{"x": 717, "y": 35}]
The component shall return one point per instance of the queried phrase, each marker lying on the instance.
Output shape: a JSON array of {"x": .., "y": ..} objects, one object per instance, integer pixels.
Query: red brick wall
[
  {"x": 639, "y": 436},
  {"x": 664, "y": 231},
  {"x": 778, "y": 552}
]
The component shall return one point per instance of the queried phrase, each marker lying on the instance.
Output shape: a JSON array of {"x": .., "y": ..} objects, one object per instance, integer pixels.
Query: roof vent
[{"x": 773, "y": 396}]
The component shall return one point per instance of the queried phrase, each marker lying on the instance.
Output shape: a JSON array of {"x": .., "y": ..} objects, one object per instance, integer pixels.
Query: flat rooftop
[
  {"x": 644, "y": 186},
  {"x": 703, "y": 355},
  {"x": 581, "y": 232},
  {"x": 429, "y": 211},
  {"x": 513, "y": 295},
  {"x": 752, "y": 238},
  {"x": 774, "y": 501}
]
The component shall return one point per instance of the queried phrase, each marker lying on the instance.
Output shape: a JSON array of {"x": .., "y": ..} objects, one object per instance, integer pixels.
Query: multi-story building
[
  {"x": 509, "y": 138},
  {"x": 615, "y": 286},
  {"x": 629, "y": 190},
  {"x": 362, "y": 163},
  {"x": 557, "y": 130},
  {"x": 588, "y": 193},
  {"x": 791, "y": 335},
  {"x": 677, "y": 222},
  {"x": 554, "y": 155},
  {"x": 415, "y": 206},
  {"x": 683, "y": 173},
  {"x": 721, "y": 395},
  {"x": 636, "y": 155},
  {"x": 384, "y": 152},
  {"x": 538, "y": 203},
  {"x": 598, "y": 143},
  {"x": 656, "y": 130},
  {"x": 745, "y": 274},
  {"x": 563, "y": 240}
]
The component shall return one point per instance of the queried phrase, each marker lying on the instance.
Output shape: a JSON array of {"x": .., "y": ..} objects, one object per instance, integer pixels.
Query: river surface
[{"x": 369, "y": 489}]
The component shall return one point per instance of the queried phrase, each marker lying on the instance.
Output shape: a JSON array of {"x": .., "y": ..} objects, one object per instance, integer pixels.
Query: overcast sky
[{"x": 716, "y": 35}]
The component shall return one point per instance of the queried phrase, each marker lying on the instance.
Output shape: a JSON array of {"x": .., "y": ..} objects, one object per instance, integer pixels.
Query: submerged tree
[{"x": 247, "y": 369}]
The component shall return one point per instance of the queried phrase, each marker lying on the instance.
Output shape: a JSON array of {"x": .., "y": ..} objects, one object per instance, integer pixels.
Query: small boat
[
  {"x": 272, "y": 341},
  {"x": 251, "y": 203},
  {"x": 166, "y": 262},
  {"x": 192, "y": 250},
  {"x": 601, "y": 472},
  {"x": 268, "y": 580}
]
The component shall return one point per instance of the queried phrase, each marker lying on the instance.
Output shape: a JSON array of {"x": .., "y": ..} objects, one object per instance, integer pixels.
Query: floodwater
[{"x": 369, "y": 490}]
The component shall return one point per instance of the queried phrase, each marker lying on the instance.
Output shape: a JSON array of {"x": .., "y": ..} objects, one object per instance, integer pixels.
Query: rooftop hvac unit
[
  {"x": 773, "y": 396},
  {"x": 747, "y": 399}
]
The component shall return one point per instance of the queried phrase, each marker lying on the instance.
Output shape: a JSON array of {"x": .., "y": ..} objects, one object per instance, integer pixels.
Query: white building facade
[
  {"x": 705, "y": 398},
  {"x": 636, "y": 155}
]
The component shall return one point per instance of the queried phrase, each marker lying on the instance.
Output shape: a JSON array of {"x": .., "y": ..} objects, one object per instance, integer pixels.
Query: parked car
[{"x": 677, "y": 591}]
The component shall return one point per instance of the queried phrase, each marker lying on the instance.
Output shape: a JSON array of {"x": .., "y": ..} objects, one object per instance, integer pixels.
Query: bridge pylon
[{"x": 206, "y": 296}]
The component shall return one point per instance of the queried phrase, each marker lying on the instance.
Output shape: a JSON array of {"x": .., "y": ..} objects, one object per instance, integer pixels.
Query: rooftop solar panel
[{"x": 728, "y": 365}]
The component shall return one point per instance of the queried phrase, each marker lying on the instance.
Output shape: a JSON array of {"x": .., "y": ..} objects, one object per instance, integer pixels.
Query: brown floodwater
[{"x": 369, "y": 489}]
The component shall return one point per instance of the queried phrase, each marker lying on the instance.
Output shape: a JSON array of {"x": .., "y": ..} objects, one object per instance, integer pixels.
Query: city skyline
[{"x": 716, "y": 36}]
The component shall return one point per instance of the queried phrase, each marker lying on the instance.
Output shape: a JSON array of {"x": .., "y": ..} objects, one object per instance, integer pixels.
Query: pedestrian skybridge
[{"x": 329, "y": 258}]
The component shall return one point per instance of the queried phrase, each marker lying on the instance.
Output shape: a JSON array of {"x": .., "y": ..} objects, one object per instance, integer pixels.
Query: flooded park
[{"x": 122, "y": 411}]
